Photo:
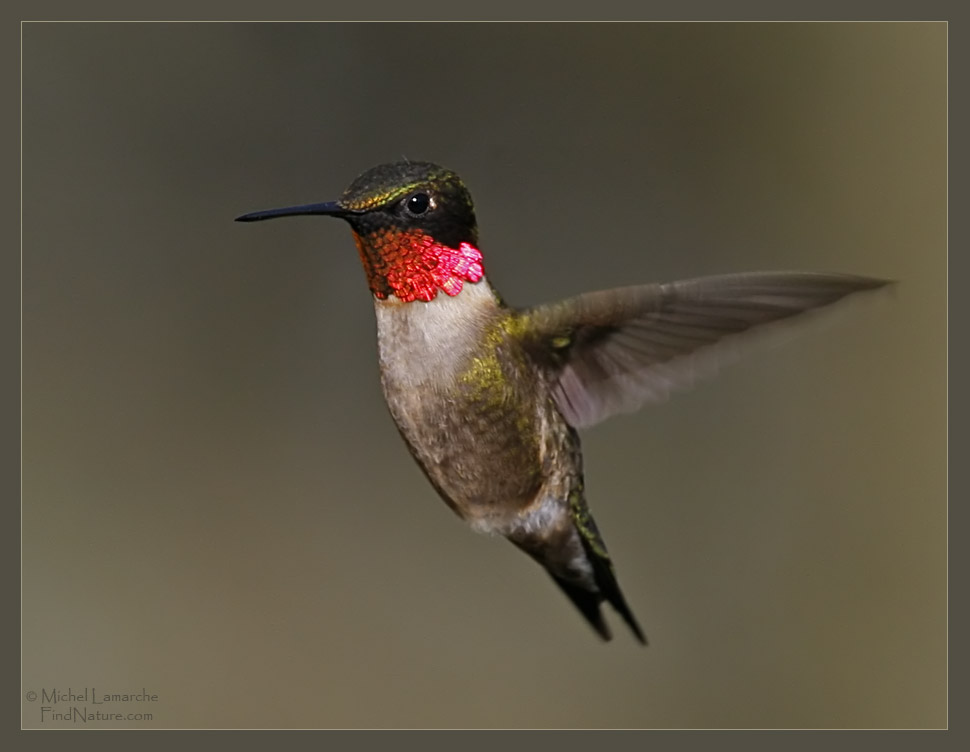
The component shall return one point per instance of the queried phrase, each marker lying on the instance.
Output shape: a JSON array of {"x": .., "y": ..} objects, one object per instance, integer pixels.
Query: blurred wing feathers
[{"x": 615, "y": 350}]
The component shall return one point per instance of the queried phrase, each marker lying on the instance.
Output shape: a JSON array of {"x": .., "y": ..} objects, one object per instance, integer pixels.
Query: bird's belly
[{"x": 485, "y": 460}]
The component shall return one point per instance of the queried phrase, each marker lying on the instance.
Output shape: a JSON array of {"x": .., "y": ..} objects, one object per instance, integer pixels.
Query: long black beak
[{"x": 330, "y": 209}]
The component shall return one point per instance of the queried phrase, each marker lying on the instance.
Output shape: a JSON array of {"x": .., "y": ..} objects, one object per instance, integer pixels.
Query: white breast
[{"x": 419, "y": 342}]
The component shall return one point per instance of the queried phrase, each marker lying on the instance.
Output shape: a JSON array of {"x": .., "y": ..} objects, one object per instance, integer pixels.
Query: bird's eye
[{"x": 419, "y": 203}]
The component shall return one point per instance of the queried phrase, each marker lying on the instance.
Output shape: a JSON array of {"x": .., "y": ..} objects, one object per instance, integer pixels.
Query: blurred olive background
[{"x": 216, "y": 505}]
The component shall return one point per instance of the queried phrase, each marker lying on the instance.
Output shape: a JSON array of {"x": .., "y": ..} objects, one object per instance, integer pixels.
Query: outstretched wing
[{"x": 615, "y": 350}]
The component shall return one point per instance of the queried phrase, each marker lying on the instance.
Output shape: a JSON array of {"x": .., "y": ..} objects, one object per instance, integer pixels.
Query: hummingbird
[{"x": 489, "y": 397}]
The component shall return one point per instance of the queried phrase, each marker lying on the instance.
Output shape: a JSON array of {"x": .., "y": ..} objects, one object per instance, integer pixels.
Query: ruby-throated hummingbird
[{"x": 489, "y": 397}]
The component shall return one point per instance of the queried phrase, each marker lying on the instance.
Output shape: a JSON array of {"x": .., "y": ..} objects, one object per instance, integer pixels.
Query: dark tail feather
[
  {"x": 610, "y": 590},
  {"x": 588, "y": 604},
  {"x": 588, "y": 601}
]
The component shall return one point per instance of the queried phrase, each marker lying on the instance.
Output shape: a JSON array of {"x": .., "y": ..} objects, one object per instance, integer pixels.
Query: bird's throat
[{"x": 411, "y": 265}]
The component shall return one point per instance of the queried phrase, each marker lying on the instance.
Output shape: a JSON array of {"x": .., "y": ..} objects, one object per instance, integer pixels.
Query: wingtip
[{"x": 874, "y": 283}]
